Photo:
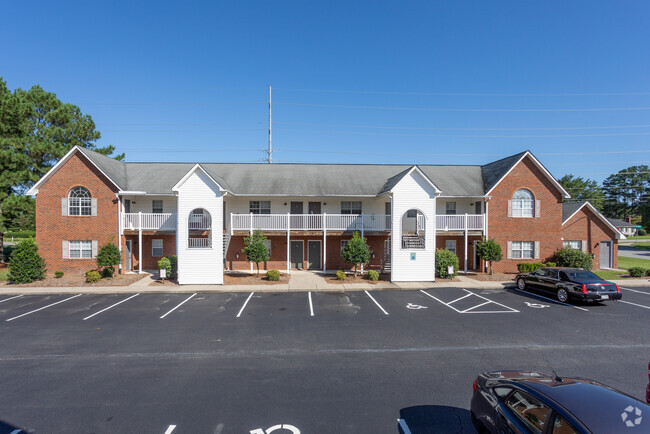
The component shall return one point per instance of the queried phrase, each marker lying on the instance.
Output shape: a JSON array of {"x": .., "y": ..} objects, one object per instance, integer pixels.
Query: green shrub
[
  {"x": 25, "y": 263},
  {"x": 58, "y": 274},
  {"x": 527, "y": 267},
  {"x": 637, "y": 271},
  {"x": 174, "y": 262},
  {"x": 273, "y": 275},
  {"x": 93, "y": 276},
  {"x": 19, "y": 234},
  {"x": 356, "y": 252},
  {"x": 647, "y": 272},
  {"x": 373, "y": 275},
  {"x": 108, "y": 273},
  {"x": 7, "y": 252},
  {"x": 568, "y": 257},
  {"x": 165, "y": 264},
  {"x": 446, "y": 258},
  {"x": 551, "y": 264},
  {"x": 109, "y": 257},
  {"x": 340, "y": 275},
  {"x": 642, "y": 232}
]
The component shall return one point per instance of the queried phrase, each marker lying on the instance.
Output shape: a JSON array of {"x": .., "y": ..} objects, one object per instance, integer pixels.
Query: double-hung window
[
  {"x": 157, "y": 206},
  {"x": 523, "y": 249},
  {"x": 573, "y": 244},
  {"x": 351, "y": 207},
  {"x": 80, "y": 249},
  {"x": 156, "y": 248},
  {"x": 450, "y": 208},
  {"x": 260, "y": 207},
  {"x": 450, "y": 245},
  {"x": 267, "y": 243}
]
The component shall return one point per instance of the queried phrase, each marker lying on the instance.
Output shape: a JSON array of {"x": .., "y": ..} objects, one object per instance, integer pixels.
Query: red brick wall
[
  {"x": 52, "y": 228},
  {"x": 278, "y": 258},
  {"x": 149, "y": 262},
  {"x": 547, "y": 229},
  {"x": 586, "y": 226},
  {"x": 460, "y": 248}
]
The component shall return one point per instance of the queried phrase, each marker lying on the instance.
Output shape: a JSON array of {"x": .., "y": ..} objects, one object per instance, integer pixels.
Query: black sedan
[
  {"x": 530, "y": 402},
  {"x": 566, "y": 283}
]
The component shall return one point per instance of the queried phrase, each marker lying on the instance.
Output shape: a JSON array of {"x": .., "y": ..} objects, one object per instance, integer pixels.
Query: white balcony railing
[
  {"x": 149, "y": 221},
  {"x": 473, "y": 222},
  {"x": 199, "y": 243},
  {"x": 306, "y": 222}
]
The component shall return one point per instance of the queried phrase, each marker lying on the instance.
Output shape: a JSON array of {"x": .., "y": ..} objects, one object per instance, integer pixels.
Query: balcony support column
[
  {"x": 466, "y": 243},
  {"x": 288, "y": 244},
  {"x": 140, "y": 242},
  {"x": 362, "y": 225},
  {"x": 324, "y": 243},
  {"x": 251, "y": 234}
]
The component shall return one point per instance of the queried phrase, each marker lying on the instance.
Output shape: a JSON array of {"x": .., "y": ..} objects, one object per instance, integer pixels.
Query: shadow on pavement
[
  {"x": 7, "y": 428},
  {"x": 536, "y": 296},
  {"x": 435, "y": 419}
]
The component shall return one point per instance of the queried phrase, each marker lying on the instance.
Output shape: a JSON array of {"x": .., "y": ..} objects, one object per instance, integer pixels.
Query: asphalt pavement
[
  {"x": 309, "y": 362},
  {"x": 633, "y": 252}
]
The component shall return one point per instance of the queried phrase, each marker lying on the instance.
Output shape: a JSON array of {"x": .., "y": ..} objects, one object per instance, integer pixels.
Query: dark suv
[{"x": 566, "y": 283}]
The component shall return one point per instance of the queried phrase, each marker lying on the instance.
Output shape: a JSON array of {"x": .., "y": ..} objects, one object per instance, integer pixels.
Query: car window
[
  {"x": 583, "y": 274},
  {"x": 529, "y": 410},
  {"x": 564, "y": 277},
  {"x": 502, "y": 392},
  {"x": 561, "y": 426}
]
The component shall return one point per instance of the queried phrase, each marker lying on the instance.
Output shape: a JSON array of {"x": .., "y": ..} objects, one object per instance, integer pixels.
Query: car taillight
[
  {"x": 474, "y": 386},
  {"x": 584, "y": 288},
  {"x": 617, "y": 288}
]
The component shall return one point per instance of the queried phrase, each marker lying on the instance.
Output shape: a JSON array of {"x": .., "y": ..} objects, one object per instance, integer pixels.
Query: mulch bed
[
  {"x": 252, "y": 279},
  {"x": 79, "y": 280},
  {"x": 351, "y": 278},
  {"x": 496, "y": 277}
]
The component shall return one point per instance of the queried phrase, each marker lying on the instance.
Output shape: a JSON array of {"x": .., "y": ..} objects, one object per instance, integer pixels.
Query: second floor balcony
[
  {"x": 149, "y": 221},
  {"x": 310, "y": 222}
]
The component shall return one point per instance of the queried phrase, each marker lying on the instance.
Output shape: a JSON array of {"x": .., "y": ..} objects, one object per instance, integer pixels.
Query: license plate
[{"x": 604, "y": 297}]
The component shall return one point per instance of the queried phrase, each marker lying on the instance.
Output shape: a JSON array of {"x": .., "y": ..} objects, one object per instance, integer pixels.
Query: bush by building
[
  {"x": 93, "y": 276},
  {"x": 340, "y": 275},
  {"x": 25, "y": 263},
  {"x": 373, "y": 275},
  {"x": 568, "y": 257},
  {"x": 445, "y": 259},
  {"x": 273, "y": 275}
]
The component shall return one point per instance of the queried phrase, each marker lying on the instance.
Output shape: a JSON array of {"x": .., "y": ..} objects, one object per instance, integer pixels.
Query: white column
[
  {"x": 465, "y": 243},
  {"x": 251, "y": 233},
  {"x": 324, "y": 243},
  {"x": 140, "y": 242},
  {"x": 288, "y": 244},
  {"x": 362, "y": 225},
  {"x": 485, "y": 222},
  {"x": 230, "y": 224},
  {"x": 119, "y": 230}
]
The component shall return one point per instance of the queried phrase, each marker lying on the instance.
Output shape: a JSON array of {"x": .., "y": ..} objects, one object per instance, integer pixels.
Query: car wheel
[
  {"x": 521, "y": 284},
  {"x": 562, "y": 295}
]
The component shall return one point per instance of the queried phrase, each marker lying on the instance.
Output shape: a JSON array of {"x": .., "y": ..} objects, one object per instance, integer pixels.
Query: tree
[
  {"x": 109, "y": 256},
  {"x": 356, "y": 252},
  {"x": 36, "y": 130},
  {"x": 489, "y": 251},
  {"x": 25, "y": 263},
  {"x": 255, "y": 249},
  {"x": 583, "y": 189},
  {"x": 627, "y": 191}
]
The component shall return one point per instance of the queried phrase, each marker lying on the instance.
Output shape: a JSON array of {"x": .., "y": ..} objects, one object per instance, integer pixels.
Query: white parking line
[
  {"x": 470, "y": 310},
  {"x": 404, "y": 426},
  {"x": 245, "y": 303},
  {"x": 378, "y": 305},
  {"x": 11, "y": 298},
  {"x": 311, "y": 306},
  {"x": 44, "y": 307},
  {"x": 627, "y": 289},
  {"x": 103, "y": 310},
  {"x": 474, "y": 307},
  {"x": 634, "y": 304},
  {"x": 458, "y": 299},
  {"x": 550, "y": 299},
  {"x": 170, "y": 429},
  {"x": 179, "y": 305}
]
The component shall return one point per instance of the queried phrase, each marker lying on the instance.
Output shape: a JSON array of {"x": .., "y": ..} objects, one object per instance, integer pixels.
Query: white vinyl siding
[
  {"x": 259, "y": 207},
  {"x": 351, "y": 207},
  {"x": 450, "y": 208},
  {"x": 523, "y": 250},
  {"x": 156, "y": 248},
  {"x": 450, "y": 245},
  {"x": 80, "y": 249}
]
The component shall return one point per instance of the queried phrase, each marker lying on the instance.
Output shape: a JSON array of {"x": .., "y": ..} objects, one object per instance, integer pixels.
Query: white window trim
[
  {"x": 162, "y": 251},
  {"x": 448, "y": 208},
  {"x": 80, "y": 244},
  {"x": 521, "y": 250},
  {"x": 261, "y": 208},
  {"x": 450, "y": 241},
  {"x": 267, "y": 243},
  {"x": 153, "y": 207},
  {"x": 351, "y": 205},
  {"x": 80, "y": 207},
  {"x": 518, "y": 205},
  {"x": 567, "y": 243}
]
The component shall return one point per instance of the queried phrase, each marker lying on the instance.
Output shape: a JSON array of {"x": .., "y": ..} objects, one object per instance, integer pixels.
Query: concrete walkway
[{"x": 301, "y": 281}]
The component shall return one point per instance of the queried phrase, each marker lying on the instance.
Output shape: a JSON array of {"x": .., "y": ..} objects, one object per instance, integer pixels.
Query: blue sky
[{"x": 435, "y": 82}]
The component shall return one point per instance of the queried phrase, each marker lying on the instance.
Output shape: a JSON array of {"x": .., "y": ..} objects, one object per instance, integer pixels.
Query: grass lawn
[
  {"x": 639, "y": 237},
  {"x": 3, "y": 273},
  {"x": 643, "y": 245},
  {"x": 624, "y": 263},
  {"x": 609, "y": 274}
]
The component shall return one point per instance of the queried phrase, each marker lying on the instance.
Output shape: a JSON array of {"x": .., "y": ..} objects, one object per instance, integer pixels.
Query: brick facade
[
  {"x": 149, "y": 262},
  {"x": 53, "y": 228},
  {"x": 460, "y": 248},
  {"x": 586, "y": 226},
  {"x": 547, "y": 228}
]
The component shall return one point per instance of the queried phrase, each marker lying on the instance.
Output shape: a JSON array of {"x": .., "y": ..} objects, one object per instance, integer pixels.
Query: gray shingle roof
[
  {"x": 620, "y": 223},
  {"x": 569, "y": 208},
  {"x": 304, "y": 179}
]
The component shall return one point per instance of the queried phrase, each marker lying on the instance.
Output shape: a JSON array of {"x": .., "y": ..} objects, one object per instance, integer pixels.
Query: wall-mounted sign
[{"x": 412, "y": 256}]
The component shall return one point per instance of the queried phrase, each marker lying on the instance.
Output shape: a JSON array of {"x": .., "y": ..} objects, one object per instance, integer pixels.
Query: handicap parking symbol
[
  {"x": 282, "y": 427},
  {"x": 536, "y": 305},
  {"x": 415, "y": 306}
]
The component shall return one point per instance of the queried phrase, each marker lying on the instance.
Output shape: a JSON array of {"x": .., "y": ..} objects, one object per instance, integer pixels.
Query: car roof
[{"x": 594, "y": 404}]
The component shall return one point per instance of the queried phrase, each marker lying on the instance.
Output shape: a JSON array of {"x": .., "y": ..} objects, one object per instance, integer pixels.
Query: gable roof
[
  {"x": 394, "y": 180},
  {"x": 493, "y": 173},
  {"x": 621, "y": 223},
  {"x": 196, "y": 167},
  {"x": 569, "y": 209}
]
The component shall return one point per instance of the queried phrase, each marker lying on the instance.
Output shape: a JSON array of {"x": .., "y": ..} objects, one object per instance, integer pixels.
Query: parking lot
[{"x": 308, "y": 362}]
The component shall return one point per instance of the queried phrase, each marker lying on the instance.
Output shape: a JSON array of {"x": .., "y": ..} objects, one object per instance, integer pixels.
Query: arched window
[
  {"x": 199, "y": 229},
  {"x": 523, "y": 204},
  {"x": 79, "y": 202},
  {"x": 413, "y": 229}
]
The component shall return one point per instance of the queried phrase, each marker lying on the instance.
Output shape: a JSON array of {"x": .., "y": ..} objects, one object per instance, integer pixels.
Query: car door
[
  {"x": 533, "y": 279},
  {"x": 548, "y": 280},
  {"x": 521, "y": 412}
]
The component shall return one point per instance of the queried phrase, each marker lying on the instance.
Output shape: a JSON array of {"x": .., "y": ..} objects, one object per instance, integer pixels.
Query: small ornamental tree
[
  {"x": 108, "y": 256},
  {"x": 25, "y": 263},
  {"x": 489, "y": 251},
  {"x": 165, "y": 264},
  {"x": 356, "y": 252},
  {"x": 255, "y": 249}
]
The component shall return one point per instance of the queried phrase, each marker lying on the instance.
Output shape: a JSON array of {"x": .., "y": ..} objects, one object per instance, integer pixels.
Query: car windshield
[{"x": 581, "y": 275}]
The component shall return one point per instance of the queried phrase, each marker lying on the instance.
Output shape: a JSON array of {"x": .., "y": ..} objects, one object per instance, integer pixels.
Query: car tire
[
  {"x": 521, "y": 284},
  {"x": 562, "y": 295}
]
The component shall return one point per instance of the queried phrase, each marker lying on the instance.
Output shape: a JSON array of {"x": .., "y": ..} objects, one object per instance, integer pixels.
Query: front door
[
  {"x": 605, "y": 254},
  {"x": 296, "y": 221},
  {"x": 478, "y": 208},
  {"x": 297, "y": 254},
  {"x": 314, "y": 254},
  {"x": 129, "y": 255},
  {"x": 314, "y": 207},
  {"x": 127, "y": 206}
]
